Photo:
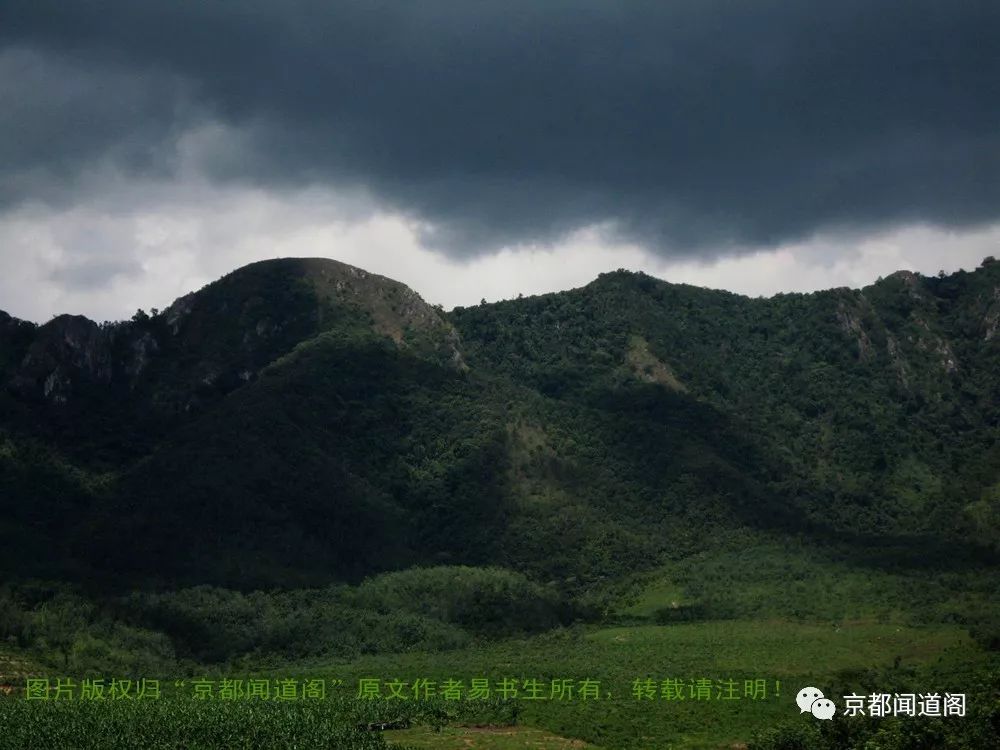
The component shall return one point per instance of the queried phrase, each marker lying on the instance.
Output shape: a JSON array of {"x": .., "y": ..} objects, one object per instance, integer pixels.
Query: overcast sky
[{"x": 485, "y": 148}]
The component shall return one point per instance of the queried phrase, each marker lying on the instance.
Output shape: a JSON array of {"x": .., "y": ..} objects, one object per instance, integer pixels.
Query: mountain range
[{"x": 302, "y": 421}]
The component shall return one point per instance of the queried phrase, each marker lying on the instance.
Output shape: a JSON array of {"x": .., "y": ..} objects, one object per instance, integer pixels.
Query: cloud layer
[
  {"x": 694, "y": 129},
  {"x": 147, "y": 243}
]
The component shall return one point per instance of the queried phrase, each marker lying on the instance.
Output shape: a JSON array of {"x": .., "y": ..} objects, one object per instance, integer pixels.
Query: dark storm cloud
[
  {"x": 682, "y": 124},
  {"x": 59, "y": 117},
  {"x": 89, "y": 275}
]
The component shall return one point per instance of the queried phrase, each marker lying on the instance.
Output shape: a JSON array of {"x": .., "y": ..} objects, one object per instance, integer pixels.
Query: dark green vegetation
[
  {"x": 157, "y": 633},
  {"x": 189, "y": 724},
  {"x": 304, "y": 463},
  {"x": 163, "y": 725}
]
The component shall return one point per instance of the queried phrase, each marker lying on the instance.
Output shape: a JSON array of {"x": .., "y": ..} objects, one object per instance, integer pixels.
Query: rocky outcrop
[
  {"x": 898, "y": 362},
  {"x": 645, "y": 366},
  {"x": 911, "y": 280},
  {"x": 67, "y": 351},
  {"x": 938, "y": 346},
  {"x": 991, "y": 322},
  {"x": 850, "y": 322},
  {"x": 215, "y": 340},
  {"x": 174, "y": 315},
  {"x": 396, "y": 310}
]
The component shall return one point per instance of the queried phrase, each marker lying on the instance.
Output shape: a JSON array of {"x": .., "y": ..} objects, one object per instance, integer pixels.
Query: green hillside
[
  {"x": 305, "y": 463},
  {"x": 301, "y": 422}
]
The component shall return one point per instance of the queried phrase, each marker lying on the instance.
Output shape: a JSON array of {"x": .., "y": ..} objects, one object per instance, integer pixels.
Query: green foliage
[
  {"x": 869, "y": 412},
  {"x": 598, "y": 432},
  {"x": 979, "y": 728},
  {"x": 345, "y": 457},
  {"x": 487, "y": 601},
  {"x": 424, "y": 609},
  {"x": 58, "y": 622},
  {"x": 214, "y": 625},
  {"x": 72, "y": 633},
  {"x": 295, "y": 465},
  {"x": 177, "y": 724}
]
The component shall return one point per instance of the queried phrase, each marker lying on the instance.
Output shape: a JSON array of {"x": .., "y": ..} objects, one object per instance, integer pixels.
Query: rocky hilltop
[{"x": 208, "y": 342}]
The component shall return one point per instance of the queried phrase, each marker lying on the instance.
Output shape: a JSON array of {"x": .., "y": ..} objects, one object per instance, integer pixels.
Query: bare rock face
[
  {"x": 395, "y": 310},
  {"x": 991, "y": 322},
  {"x": 67, "y": 351},
  {"x": 141, "y": 351},
  {"x": 175, "y": 314},
  {"x": 910, "y": 280},
  {"x": 850, "y": 321}
]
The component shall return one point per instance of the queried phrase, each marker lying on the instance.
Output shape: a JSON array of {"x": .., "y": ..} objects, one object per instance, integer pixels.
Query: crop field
[
  {"x": 484, "y": 738},
  {"x": 735, "y": 635},
  {"x": 786, "y": 655}
]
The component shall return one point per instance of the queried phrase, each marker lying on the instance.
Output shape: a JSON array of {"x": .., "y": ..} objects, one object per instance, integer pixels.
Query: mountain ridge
[{"x": 300, "y": 421}]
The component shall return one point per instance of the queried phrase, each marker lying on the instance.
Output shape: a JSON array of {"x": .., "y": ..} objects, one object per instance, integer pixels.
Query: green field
[
  {"x": 791, "y": 654},
  {"x": 487, "y": 738},
  {"x": 788, "y": 616},
  {"x": 788, "y": 655}
]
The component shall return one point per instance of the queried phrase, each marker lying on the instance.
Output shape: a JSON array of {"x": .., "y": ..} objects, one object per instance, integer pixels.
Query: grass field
[
  {"x": 789, "y": 615},
  {"x": 786, "y": 617},
  {"x": 862, "y": 655},
  {"x": 484, "y": 738}
]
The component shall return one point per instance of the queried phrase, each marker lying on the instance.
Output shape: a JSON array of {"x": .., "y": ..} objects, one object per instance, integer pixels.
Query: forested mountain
[{"x": 300, "y": 421}]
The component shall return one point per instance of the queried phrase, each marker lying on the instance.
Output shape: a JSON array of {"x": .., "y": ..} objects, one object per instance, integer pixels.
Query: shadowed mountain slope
[{"x": 301, "y": 421}]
